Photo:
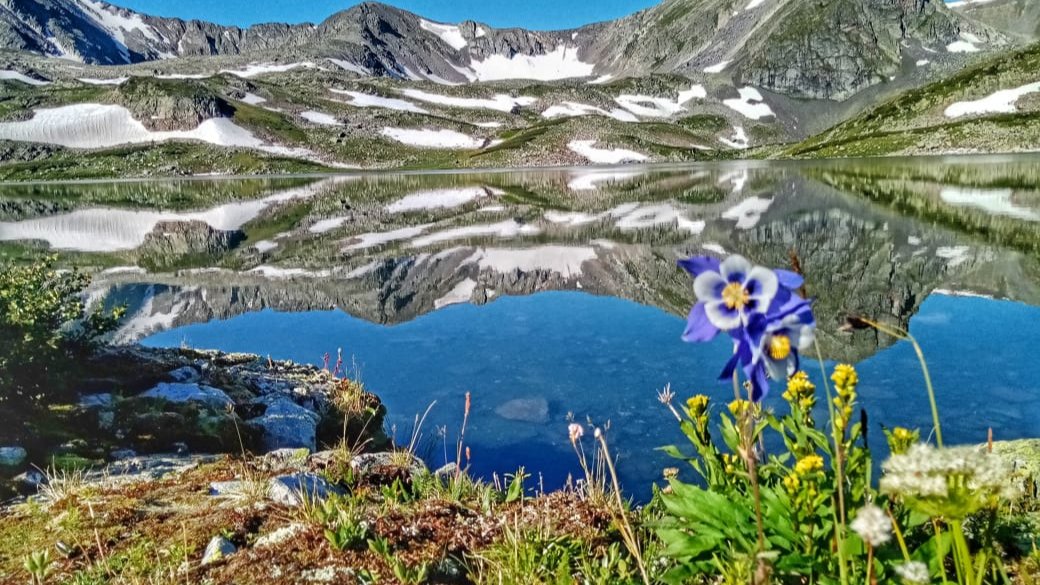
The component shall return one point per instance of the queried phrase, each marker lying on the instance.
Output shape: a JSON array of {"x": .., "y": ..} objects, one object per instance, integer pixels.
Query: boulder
[
  {"x": 286, "y": 425},
  {"x": 384, "y": 468},
  {"x": 185, "y": 375},
  {"x": 290, "y": 490},
  {"x": 533, "y": 410},
  {"x": 178, "y": 392},
  {"x": 12, "y": 456},
  {"x": 89, "y": 401},
  {"x": 218, "y": 548}
]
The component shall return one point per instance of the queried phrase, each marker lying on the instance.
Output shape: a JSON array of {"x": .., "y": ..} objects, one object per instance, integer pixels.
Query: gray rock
[
  {"x": 104, "y": 400},
  {"x": 371, "y": 463},
  {"x": 290, "y": 490},
  {"x": 34, "y": 478},
  {"x": 121, "y": 454},
  {"x": 445, "y": 471},
  {"x": 12, "y": 456},
  {"x": 177, "y": 392},
  {"x": 286, "y": 425},
  {"x": 184, "y": 375},
  {"x": 281, "y": 535},
  {"x": 218, "y": 548},
  {"x": 225, "y": 488},
  {"x": 534, "y": 410},
  {"x": 286, "y": 459}
]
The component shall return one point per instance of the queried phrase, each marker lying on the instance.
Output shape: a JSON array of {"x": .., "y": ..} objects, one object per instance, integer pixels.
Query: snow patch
[
  {"x": 590, "y": 181},
  {"x": 113, "y": 81},
  {"x": 441, "y": 199},
  {"x": 506, "y": 229},
  {"x": 462, "y": 293},
  {"x": 922, "y": 62},
  {"x": 561, "y": 63},
  {"x": 993, "y": 201},
  {"x": 649, "y": 216},
  {"x": 657, "y": 107},
  {"x": 748, "y": 212},
  {"x": 365, "y": 100},
  {"x": 956, "y": 255},
  {"x": 602, "y": 79},
  {"x": 427, "y": 138},
  {"x": 739, "y": 140},
  {"x": 500, "y": 103},
  {"x": 574, "y": 110},
  {"x": 348, "y": 66},
  {"x": 252, "y": 99},
  {"x": 720, "y": 67},
  {"x": 371, "y": 240},
  {"x": 1000, "y": 102},
  {"x": 564, "y": 260},
  {"x": 258, "y": 69},
  {"x": 587, "y": 149},
  {"x": 750, "y": 104},
  {"x": 320, "y": 118},
  {"x": 449, "y": 33},
  {"x": 264, "y": 246},
  {"x": 8, "y": 75}
]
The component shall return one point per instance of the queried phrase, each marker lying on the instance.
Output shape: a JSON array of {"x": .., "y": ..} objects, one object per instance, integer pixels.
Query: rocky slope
[{"x": 1018, "y": 18}]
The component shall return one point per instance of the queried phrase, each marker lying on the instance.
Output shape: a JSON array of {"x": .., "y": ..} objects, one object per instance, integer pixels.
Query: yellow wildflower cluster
[
  {"x": 845, "y": 381},
  {"x": 900, "y": 439},
  {"x": 801, "y": 393},
  {"x": 801, "y": 482},
  {"x": 730, "y": 462},
  {"x": 697, "y": 410},
  {"x": 739, "y": 408}
]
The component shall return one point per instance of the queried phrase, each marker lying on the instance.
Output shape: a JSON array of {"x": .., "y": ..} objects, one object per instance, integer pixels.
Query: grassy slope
[{"x": 914, "y": 122}]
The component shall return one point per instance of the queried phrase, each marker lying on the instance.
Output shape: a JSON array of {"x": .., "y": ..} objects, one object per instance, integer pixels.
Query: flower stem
[
  {"x": 626, "y": 527},
  {"x": 839, "y": 526}
]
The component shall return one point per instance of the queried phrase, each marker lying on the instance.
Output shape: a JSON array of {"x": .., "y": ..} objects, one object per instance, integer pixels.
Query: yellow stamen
[
  {"x": 735, "y": 296},
  {"x": 779, "y": 347}
]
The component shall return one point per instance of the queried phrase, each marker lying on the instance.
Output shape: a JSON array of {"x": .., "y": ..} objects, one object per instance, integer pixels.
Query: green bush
[{"x": 45, "y": 331}]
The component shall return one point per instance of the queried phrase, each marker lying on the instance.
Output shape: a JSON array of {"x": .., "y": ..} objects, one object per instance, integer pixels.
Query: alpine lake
[{"x": 553, "y": 295}]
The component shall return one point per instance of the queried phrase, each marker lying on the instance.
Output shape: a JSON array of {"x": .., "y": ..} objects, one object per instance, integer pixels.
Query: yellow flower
[
  {"x": 729, "y": 462},
  {"x": 791, "y": 483},
  {"x": 698, "y": 405},
  {"x": 845, "y": 379},
  {"x": 739, "y": 408},
  {"x": 808, "y": 465}
]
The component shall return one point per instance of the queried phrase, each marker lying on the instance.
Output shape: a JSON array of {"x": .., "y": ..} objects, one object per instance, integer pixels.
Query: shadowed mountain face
[
  {"x": 799, "y": 48},
  {"x": 390, "y": 249}
]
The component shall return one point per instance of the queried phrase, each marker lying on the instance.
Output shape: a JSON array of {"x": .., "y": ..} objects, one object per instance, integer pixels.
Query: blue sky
[{"x": 533, "y": 14}]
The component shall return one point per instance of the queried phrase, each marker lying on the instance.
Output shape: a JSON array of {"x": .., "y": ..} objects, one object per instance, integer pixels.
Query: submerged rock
[
  {"x": 12, "y": 456},
  {"x": 533, "y": 410}
]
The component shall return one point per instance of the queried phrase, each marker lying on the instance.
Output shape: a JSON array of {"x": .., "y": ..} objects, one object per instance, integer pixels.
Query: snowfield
[
  {"x": 992, "y": 201},
  {"x": 113, "y": 81},
  {"x": 462, "y": 293},
  {"x": 426, "y": 138},
  {"x": 718, "y": 67},
  {"x": 968, "y": 43},
  {"x": 372, "y": 240},
  {"x": 500, "y": 103},
  {"x": 747, "y": 212},
  {"x": 348, "y": 66},
  {"x": 449, "y": 33},
  {"x": 506, "y": 229},
  {"x": 263, "y": 68},
  {"x": 590, "y": 181},
  {"x": 561, "y": 63},
  {"x": 8, "y": 75},
  {"x": 1001, "y": 102},
  {"x": 365, "y": 100},
  {"x": 564, "y": 260},
  {"x": 574, "y": 110},
  {"x": 739, "y": 140},
  {"x": 253, "y": 99},
  {"x": 109, "y": 19},
  {"x": 657, "y": 107},
  {"x": 587, "y": 149},
  {"x": 320, "y": 118},
  {"x": 441, "y": 199},
  {"x": 750, "y": 104}
]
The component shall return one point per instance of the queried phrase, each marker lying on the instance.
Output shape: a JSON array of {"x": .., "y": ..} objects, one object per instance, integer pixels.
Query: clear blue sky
[{"x": 533, "y": 14}]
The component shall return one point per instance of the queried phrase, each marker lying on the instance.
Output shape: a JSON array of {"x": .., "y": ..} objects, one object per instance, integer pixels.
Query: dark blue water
[{"x": 605, "y": 359}]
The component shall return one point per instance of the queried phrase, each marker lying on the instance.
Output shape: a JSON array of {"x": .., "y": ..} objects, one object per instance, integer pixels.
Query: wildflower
[
  {"x": 900, "y": 439},
  {"x": 671, "y": 472},
  {"x": 845, "y": 381},
  {"x": 576, "y": 432},
  {"x": 698, "y": 405},
  {"x": 729, "y": 463},
  {"x": 598, "y": 434},
  {"x": 784, "y": 338},
  {"x": 666, "y": 395},
  {"x": 873, "y": 525},
  {"x": 914, "y": 573},
  {"x": 808, "y": 465},
  {"x": 954, "y": 482},
  {"x": 739, "y": 408},
  {"x": 801, "y": 392}
]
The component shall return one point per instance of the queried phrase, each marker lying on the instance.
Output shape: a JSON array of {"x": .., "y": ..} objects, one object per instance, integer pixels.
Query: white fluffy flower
[
  {"x": 914, "y": 573},
  {"x": 576, "y": 432},
  {"x": 872, "y": 525}
]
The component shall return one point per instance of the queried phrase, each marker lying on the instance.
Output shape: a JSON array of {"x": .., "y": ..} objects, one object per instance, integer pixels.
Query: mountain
[
  {"x": 1018, "y": 18},
  {"x": 827, "y": 49}
]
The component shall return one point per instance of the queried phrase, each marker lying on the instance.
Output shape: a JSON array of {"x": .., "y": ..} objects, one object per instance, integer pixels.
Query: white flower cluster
[
  {"x": 873, "y": 525},
  {"x": 914, "y": 573},
  {"x": 927, "y": 472}
]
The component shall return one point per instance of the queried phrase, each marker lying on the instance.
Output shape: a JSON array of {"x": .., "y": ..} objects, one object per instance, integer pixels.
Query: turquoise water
[{"x": 604, "y": 359}]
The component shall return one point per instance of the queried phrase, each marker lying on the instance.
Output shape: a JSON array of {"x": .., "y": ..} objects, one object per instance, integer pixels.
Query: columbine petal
[
  {"x": 735, "y": 269},
  {"x": 762, "y": 285},
  {"x": 708, "y": 287},
  {"x": 789, "y": 280},
  {"x": 698, "y": 326},
  {"x": 756, "y": 374},
  {"x": 778, "y": 369},
  {"x": 698, "y": 265},
  {"x": 722, "y": 316}
]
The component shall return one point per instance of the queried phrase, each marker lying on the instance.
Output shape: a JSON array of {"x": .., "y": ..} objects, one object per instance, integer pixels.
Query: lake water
[{"x": 554, "y": 293}]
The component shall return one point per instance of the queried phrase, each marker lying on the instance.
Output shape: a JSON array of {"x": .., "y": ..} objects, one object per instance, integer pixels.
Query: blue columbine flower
[{"x": 758, "y": 308}]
